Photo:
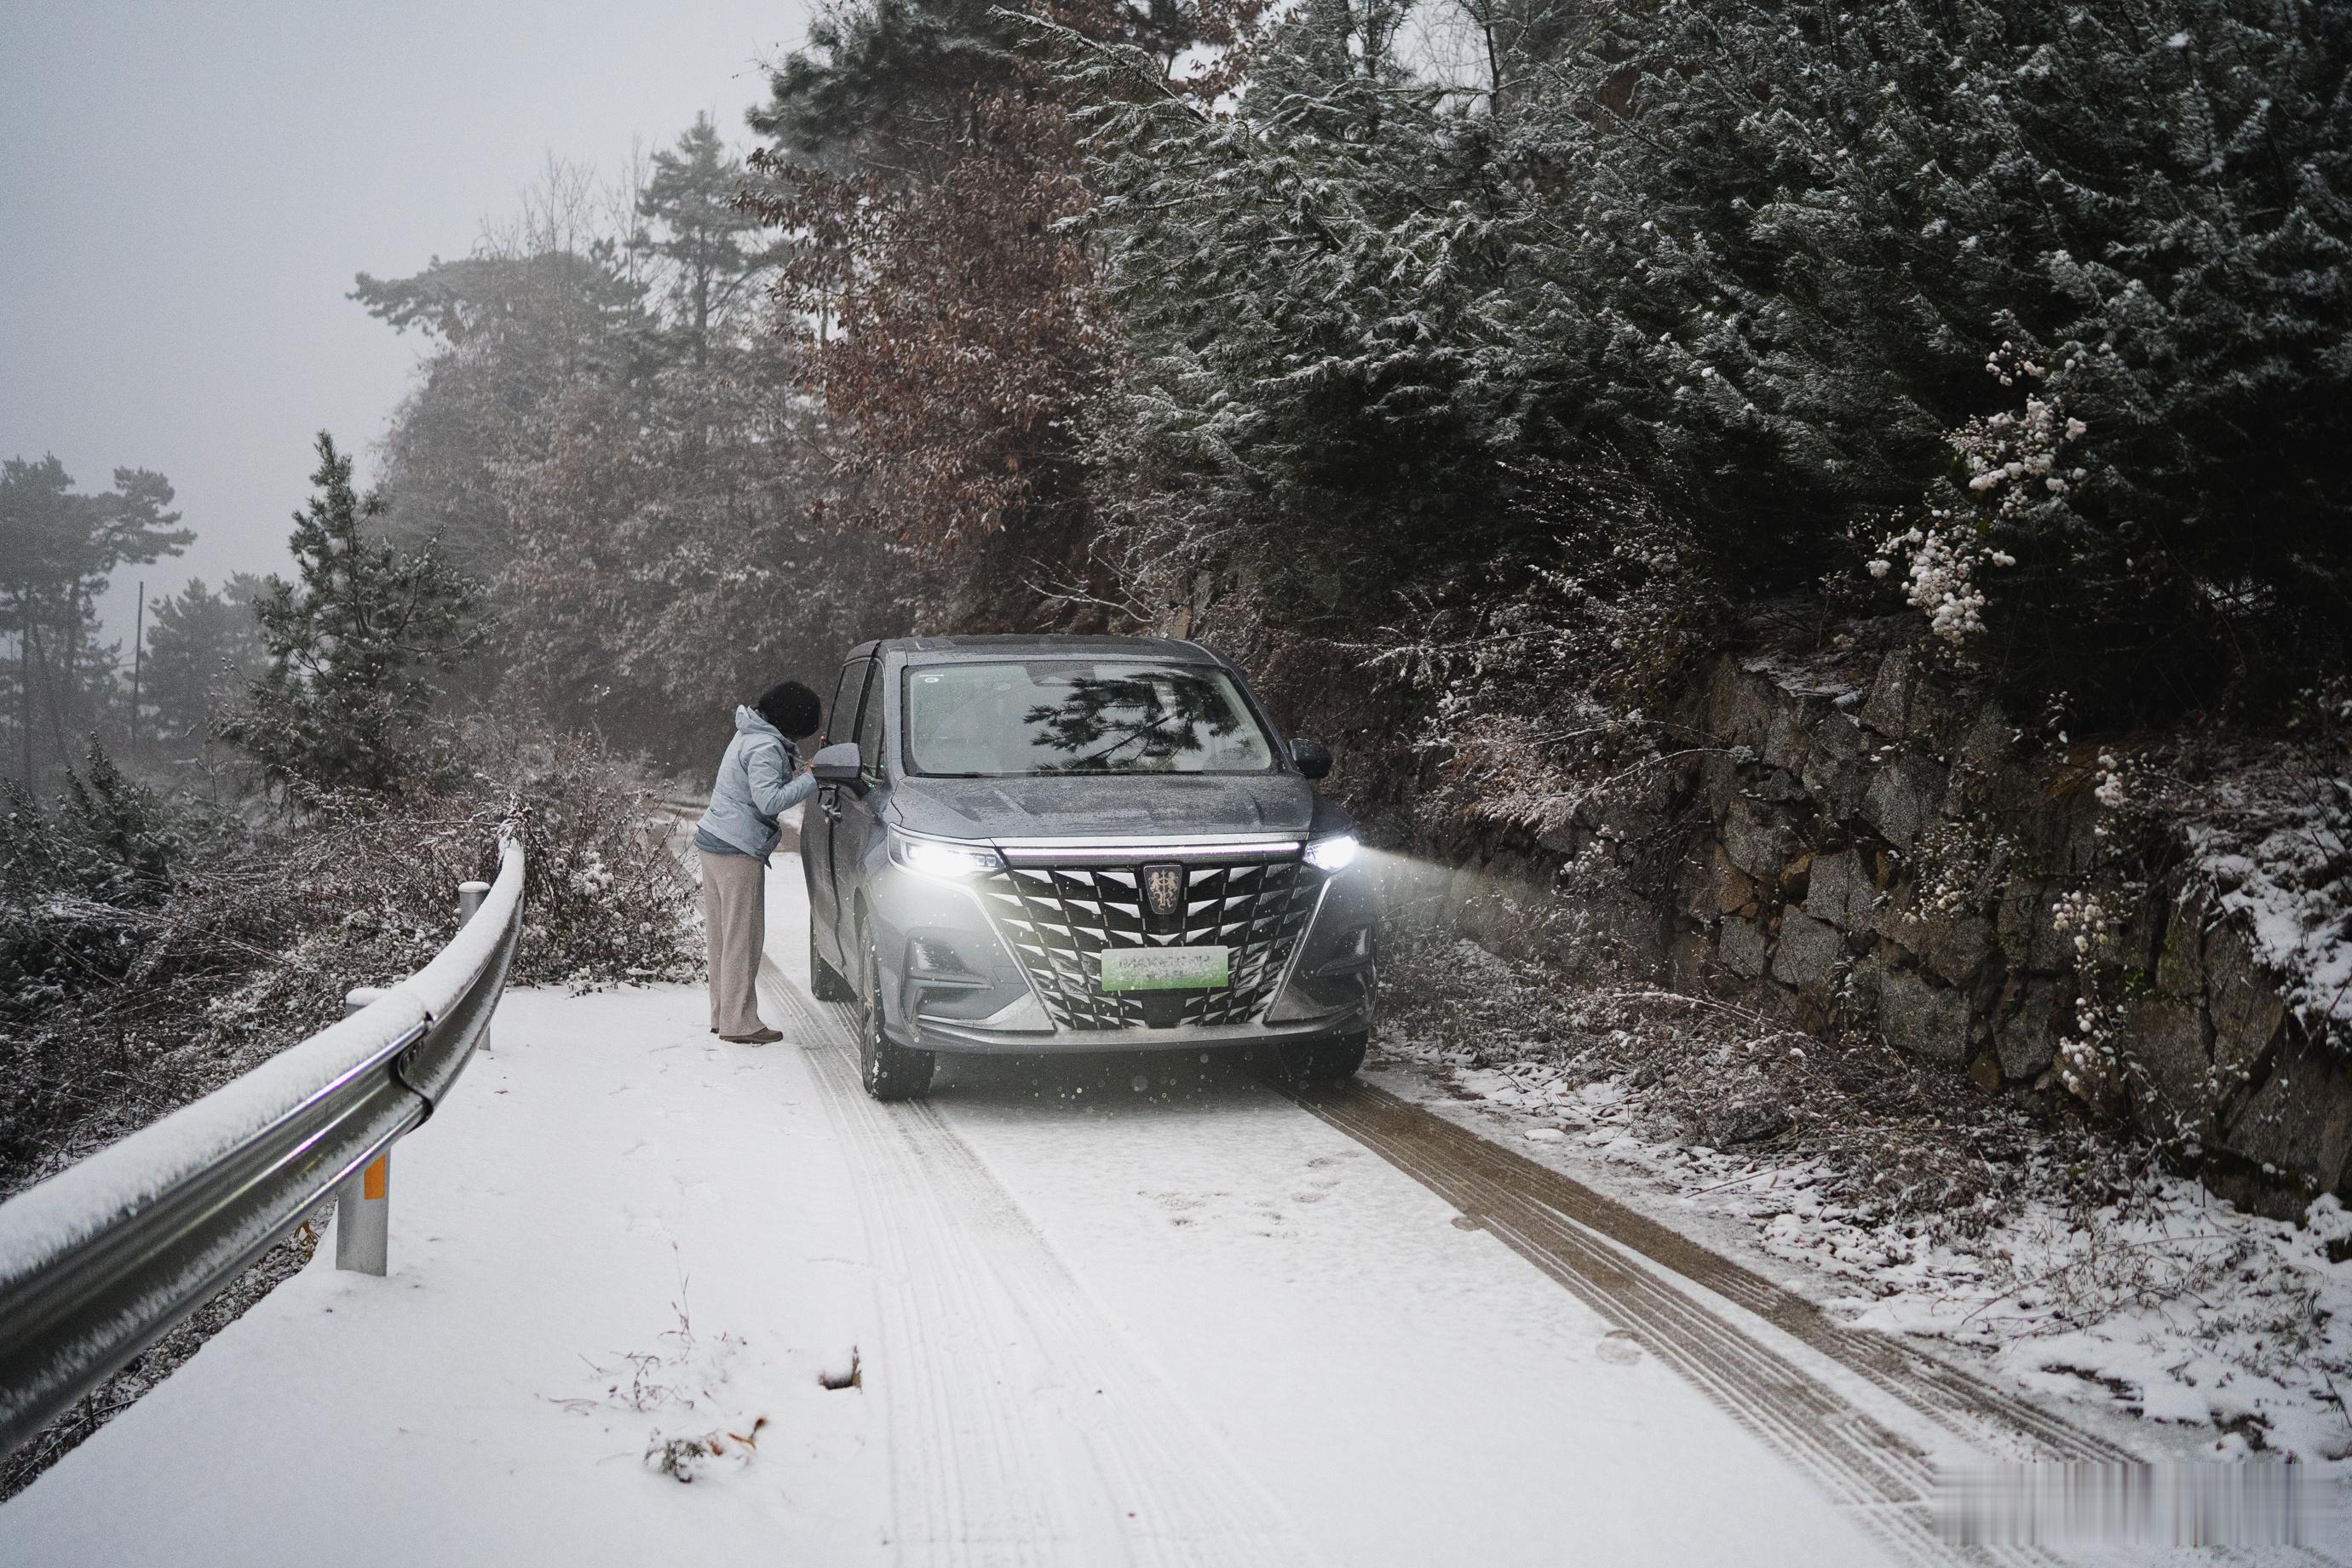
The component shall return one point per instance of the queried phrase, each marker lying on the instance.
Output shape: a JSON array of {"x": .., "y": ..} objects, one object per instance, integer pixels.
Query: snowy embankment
[
  {"x": 2230, "y": 1333},
  {"x": 1130, "y": 1310},
  {"x": 2278, "y": 859}
]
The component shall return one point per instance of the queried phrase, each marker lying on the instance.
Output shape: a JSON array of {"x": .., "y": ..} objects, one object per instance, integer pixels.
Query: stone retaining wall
[{"x": 1891, "y": 856}]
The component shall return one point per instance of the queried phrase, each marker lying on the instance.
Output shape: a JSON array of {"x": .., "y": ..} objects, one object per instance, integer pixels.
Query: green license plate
[{"x": 1165, "y": 968}]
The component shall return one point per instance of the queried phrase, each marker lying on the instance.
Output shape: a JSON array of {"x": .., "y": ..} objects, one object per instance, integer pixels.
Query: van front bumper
[
  {"x": 951, "y": 1037},
  {"x": 953, "y": 983}
]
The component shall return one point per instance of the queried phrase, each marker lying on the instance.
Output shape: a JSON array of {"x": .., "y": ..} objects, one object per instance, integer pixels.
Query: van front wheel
[{"x": 1332, "y": 1060}]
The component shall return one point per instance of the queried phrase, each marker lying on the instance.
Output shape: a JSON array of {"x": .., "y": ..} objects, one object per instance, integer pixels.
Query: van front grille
[{"x": 1057, "y": 919}]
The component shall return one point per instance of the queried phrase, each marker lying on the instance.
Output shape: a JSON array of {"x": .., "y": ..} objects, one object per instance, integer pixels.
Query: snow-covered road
[{"x": 1105, "y": 1311}]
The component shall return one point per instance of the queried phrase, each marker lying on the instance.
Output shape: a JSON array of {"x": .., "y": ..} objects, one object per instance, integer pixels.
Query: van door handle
[{"x": 828, "y": 801}]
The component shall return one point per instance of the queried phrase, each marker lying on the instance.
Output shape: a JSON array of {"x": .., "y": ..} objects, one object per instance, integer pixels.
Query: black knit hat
[{"x": 791, "y": 707}]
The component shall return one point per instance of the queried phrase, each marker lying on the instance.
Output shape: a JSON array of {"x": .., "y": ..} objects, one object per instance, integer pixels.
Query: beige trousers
[{"x": 735, "y": 915}]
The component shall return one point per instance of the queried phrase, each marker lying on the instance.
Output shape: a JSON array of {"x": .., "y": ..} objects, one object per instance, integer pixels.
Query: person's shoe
[{"x": 763, "y": 1037}]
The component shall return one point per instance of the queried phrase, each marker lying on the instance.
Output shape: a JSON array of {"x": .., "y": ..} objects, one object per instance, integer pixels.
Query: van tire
[{"x": 1332, "y": 1060}]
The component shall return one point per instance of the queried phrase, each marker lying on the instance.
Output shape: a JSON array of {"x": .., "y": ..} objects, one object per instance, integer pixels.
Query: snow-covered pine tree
[
  {"x": 1759, "y": 257},
  {"x": 203, "y": 650},
  {"x": 712, "y": 251},
  {"x": 352, "y": 642},
  {"x": 1335, "y": 362},
  {"x": 1843, "y": 214}
]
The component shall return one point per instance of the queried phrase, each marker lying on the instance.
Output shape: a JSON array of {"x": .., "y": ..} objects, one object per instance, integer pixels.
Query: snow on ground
[
  {"x": 573, "y": 1273},
  {"x": 2231, "y": 1330},
  {"x": 1132, "y": 1309}
]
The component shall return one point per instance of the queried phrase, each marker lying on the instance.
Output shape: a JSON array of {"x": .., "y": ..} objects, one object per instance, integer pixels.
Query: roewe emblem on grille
[{"x": 1163, "y": 890}]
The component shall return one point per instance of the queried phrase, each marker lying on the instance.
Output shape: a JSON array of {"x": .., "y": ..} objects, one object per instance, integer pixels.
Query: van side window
[
  {"x": 841, "y": 718},
  {"x": 869, "y": 724}
]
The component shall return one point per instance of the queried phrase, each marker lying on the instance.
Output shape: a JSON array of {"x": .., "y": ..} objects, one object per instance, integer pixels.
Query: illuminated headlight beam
[
  {"x": 1333, "y": 854},
  {"x": 940, "y": 858}
]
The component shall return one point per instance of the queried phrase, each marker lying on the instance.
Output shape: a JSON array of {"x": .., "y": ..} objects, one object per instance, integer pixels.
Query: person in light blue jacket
[{"x": 760, "y": 778}]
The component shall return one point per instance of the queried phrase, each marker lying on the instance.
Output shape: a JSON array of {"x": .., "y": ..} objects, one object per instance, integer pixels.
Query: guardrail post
[
  {"x": 363, "y": 1199},
  {"x": 469, "y": 900}
]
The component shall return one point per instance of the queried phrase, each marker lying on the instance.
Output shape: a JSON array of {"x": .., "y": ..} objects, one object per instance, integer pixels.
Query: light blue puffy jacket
[{"x": 758, "y": 780}]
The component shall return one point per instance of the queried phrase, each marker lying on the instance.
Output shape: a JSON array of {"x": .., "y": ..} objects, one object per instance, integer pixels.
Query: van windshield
[{"x": 1078, "y": 716}]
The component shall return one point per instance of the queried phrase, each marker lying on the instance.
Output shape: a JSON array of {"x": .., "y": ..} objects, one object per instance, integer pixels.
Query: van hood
[{"x": 1112, "y": 806}]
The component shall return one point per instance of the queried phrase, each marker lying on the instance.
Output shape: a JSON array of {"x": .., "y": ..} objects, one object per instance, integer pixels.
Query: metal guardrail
[{"x": 101, "y": 1261}]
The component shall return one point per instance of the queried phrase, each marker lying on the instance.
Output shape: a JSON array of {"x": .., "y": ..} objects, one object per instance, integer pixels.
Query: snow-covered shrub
[
  {"x": 376, "y": 878},
  {"x": 609, "y": 904},
  {"x": 1951, "y": 869},
  {"x": 1892, "y": 1140},
  {"x": 2091, "y": 1062},
  {"x": 1539, "y": 713},
  {"x": 149, "y": 953},
  {"x": 1546, "y": 704},
  {"x": 121, "y": 917}
]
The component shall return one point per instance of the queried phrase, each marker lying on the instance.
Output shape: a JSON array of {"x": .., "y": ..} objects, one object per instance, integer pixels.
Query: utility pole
[
  {"x": 25, "y": 686},
  {"x": 138, "y": 641}
]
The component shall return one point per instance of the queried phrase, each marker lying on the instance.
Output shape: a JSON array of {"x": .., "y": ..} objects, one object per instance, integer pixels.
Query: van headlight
[
  {"x": 1332, "y": 854},
  {"x": 940, "y": 858}
]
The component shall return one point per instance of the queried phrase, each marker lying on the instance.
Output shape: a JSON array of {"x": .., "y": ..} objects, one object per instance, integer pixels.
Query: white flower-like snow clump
[
  {"x": 1941, "y": 581},
  {"x": 592, "y": 880},
  {"x": 2012, "y": 461}
]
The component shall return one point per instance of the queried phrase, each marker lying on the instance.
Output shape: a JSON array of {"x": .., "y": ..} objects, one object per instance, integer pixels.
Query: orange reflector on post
[{"x": 372, "y": 1184}]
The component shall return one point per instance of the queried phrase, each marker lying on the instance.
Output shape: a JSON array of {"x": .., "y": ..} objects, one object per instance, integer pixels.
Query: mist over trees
[
  {"x": 1366, "y": 323},
  {"x": 1381, "y": 324},
  {"x": 59, "y": 549},
  {"x": 203, "y": 650},
  {"x": 605, "y": 441}
]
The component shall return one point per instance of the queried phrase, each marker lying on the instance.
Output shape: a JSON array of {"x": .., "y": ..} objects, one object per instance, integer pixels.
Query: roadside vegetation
[
  {"x": 1472, "y": 370},
  {"x": 158, "y": 939}
]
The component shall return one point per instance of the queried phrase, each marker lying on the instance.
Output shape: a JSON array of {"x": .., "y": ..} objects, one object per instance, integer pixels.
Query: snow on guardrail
[{"x": 102, "y": 1258}]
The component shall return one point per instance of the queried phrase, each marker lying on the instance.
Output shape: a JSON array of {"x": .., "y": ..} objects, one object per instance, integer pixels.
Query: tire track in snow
[
  {"x": 1579, "y": 1238},
  {"x": 1024, "y": 1430},
  {"x": 1986, "y": 1417},
  {"x": 1882, "y": 1480}
]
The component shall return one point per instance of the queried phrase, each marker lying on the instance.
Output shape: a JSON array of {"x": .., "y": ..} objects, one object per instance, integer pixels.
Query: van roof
[{"x": 949, "y": 650}]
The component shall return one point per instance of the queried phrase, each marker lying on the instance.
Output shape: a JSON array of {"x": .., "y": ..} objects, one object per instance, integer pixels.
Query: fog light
[
  {"x": 1351, "y": 955},
  {"x": 939, "y": 957}
]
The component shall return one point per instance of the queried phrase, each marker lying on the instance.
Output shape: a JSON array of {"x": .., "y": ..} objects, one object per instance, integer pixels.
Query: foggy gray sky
[{"x": 186, "y": 191}]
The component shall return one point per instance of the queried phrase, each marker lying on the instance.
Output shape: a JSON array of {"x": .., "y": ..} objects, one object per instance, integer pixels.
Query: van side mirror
[
  {"x": 1312, "y": 758},
  {"x": 835, "y": 764}
]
